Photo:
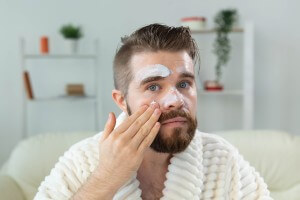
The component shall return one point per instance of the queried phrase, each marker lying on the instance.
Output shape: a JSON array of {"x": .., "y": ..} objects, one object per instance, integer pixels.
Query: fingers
[
  {"x": 109, "y": 126},
  {"x": 149, "y": 138},
  {"x": 144, "y": 131},
  {"x": 127, "y": 123},
  {"x": 140, "y": 122}
]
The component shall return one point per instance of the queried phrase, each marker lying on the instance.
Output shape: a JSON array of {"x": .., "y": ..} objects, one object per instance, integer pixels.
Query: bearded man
[{"x": 153, "y": 150}]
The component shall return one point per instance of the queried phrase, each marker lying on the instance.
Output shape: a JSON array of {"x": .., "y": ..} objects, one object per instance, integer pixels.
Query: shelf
[
  {"x": 60, "y": 56},
  {"x": 64, "y": 97},
  {"x": 88, "y": 100},
  {"x": 213, "y": 30},
  {"x": 224, "y": 92}
]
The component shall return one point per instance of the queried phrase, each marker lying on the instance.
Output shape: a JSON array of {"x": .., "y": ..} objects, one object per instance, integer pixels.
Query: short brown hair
[{"x": 153, "y": 37}]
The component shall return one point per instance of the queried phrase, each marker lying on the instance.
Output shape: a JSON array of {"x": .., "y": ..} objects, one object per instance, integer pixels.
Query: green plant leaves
[
  {"x": 224, "y": 21},
  {"x": 71, "y": 32}
]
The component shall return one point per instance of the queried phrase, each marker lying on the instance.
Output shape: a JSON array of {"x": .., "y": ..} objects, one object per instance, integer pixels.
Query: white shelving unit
[
  {"x": 246, "y": 92},
  {"x": 57, "y": 57}
]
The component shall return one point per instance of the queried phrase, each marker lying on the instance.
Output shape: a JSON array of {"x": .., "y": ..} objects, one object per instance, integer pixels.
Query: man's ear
[{"x": 119, "y": 99}]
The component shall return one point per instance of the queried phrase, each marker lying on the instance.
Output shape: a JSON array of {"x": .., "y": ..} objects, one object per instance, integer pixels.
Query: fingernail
[
  {"x": 145, "y": 106},
  {"x": 153, "y": 104}
]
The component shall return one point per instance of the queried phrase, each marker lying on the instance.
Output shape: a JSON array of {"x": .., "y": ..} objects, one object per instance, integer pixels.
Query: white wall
[{"x": 277, "y": 36}]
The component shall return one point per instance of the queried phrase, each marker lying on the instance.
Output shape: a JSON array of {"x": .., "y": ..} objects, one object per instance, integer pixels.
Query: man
[{"x": 153, "y": 150}]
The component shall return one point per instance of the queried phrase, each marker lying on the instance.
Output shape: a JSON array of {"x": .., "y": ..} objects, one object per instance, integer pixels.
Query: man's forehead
[
  {"x": 176, "y": 67},
  {"x": 161, "y": 70},
  {"x": 172, "y": 60}
]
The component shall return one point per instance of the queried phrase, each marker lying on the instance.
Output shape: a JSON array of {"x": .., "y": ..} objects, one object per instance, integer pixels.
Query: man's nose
[{"x": 173, "y": 99}]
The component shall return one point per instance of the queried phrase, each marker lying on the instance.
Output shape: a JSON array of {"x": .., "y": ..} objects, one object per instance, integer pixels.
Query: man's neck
[
  {"x": 156, "y": 160},
  {"x": 154, "y": 164},
  {"x": 152, "y": 173}
]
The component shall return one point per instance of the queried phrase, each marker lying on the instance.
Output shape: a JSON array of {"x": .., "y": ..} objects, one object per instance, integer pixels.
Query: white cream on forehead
[{"x": 153, "y": 70}]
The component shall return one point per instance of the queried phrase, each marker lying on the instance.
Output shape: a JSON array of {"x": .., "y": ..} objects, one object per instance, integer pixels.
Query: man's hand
[{"x": 121, "y": 152}]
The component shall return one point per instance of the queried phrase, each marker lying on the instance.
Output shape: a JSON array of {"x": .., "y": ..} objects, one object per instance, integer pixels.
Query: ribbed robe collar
[{"x": 184, "y": 179}]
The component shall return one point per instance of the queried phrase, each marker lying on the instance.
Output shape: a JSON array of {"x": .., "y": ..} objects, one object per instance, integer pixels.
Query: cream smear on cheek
[{"x": 172, "y": 96}]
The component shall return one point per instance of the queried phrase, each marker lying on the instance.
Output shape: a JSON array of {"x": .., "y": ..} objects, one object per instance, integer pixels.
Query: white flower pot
[{"x": 71, "y": 46}]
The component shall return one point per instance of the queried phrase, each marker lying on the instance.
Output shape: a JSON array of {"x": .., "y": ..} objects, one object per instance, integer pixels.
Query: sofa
[
  {"x": 274, "y": 154},
  {"x": 31, "y": 160}
]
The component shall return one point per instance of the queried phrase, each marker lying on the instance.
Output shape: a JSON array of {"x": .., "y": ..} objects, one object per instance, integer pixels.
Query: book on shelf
[{"x": 27, "y": 84}]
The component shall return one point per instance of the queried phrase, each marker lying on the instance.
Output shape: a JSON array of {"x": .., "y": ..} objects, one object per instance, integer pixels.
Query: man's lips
[{"x": 176, "y": 119}]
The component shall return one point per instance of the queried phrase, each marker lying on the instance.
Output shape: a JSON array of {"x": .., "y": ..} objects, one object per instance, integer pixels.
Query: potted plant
[
  {"x": 72, "y": 34},
  {"x": 224, "y": 21}
]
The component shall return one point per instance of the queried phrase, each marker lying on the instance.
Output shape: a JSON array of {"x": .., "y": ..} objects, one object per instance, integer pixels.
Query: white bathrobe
[{"x": 209, "y": 168}]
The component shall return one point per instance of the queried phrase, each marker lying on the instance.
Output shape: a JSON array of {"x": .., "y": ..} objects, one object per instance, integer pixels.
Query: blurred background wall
[{"x": 277, "y": 49}]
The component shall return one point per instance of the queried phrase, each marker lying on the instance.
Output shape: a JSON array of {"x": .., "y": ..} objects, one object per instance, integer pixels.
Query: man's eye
[
  {"x": 184, "y": 84},
  {"x": 153, "y": 87}
]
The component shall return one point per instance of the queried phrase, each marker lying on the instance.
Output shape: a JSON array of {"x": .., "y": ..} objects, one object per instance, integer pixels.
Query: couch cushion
[
  {"x": 275, "y": 155},
  {"x": 33, "y": 158},
  {"x": 9, "y": 189}
]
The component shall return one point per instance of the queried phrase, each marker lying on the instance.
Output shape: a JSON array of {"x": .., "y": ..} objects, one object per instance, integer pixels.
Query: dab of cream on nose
[
  {"x": 153, "y": 70},
  {"x": 172, "y": 96}
]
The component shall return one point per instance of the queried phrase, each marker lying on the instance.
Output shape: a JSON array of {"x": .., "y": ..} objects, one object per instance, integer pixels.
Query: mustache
[{"x": 172, "y": 114}]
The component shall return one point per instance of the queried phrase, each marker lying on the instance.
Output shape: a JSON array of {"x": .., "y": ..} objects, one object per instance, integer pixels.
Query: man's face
[{"x": 168, "y": 79}]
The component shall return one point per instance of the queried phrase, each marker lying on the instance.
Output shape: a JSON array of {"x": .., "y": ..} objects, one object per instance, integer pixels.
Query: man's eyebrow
[
  {"x": 150, "y": 79},
  {"x": 157, "y": 78},
  {"x": 187, "y": 75}
]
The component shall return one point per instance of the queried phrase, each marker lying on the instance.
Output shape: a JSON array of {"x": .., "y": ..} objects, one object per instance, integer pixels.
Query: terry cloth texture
[{"x": 209, "y": 168}]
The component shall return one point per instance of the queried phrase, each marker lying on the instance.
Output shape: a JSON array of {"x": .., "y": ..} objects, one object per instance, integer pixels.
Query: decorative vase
[
  {"x": 213, "y": 86},
  {"x": 71, "y": 46},
  {"x": 194, "y": 23},
  {"x": 44, "y": 45}
]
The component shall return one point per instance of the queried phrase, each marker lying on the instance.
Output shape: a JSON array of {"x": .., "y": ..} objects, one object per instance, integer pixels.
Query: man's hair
[{"x": 150, "y": 38}]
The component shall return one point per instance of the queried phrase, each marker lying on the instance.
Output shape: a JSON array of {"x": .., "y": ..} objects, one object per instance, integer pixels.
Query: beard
[{"x": 180, "y": 137}]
